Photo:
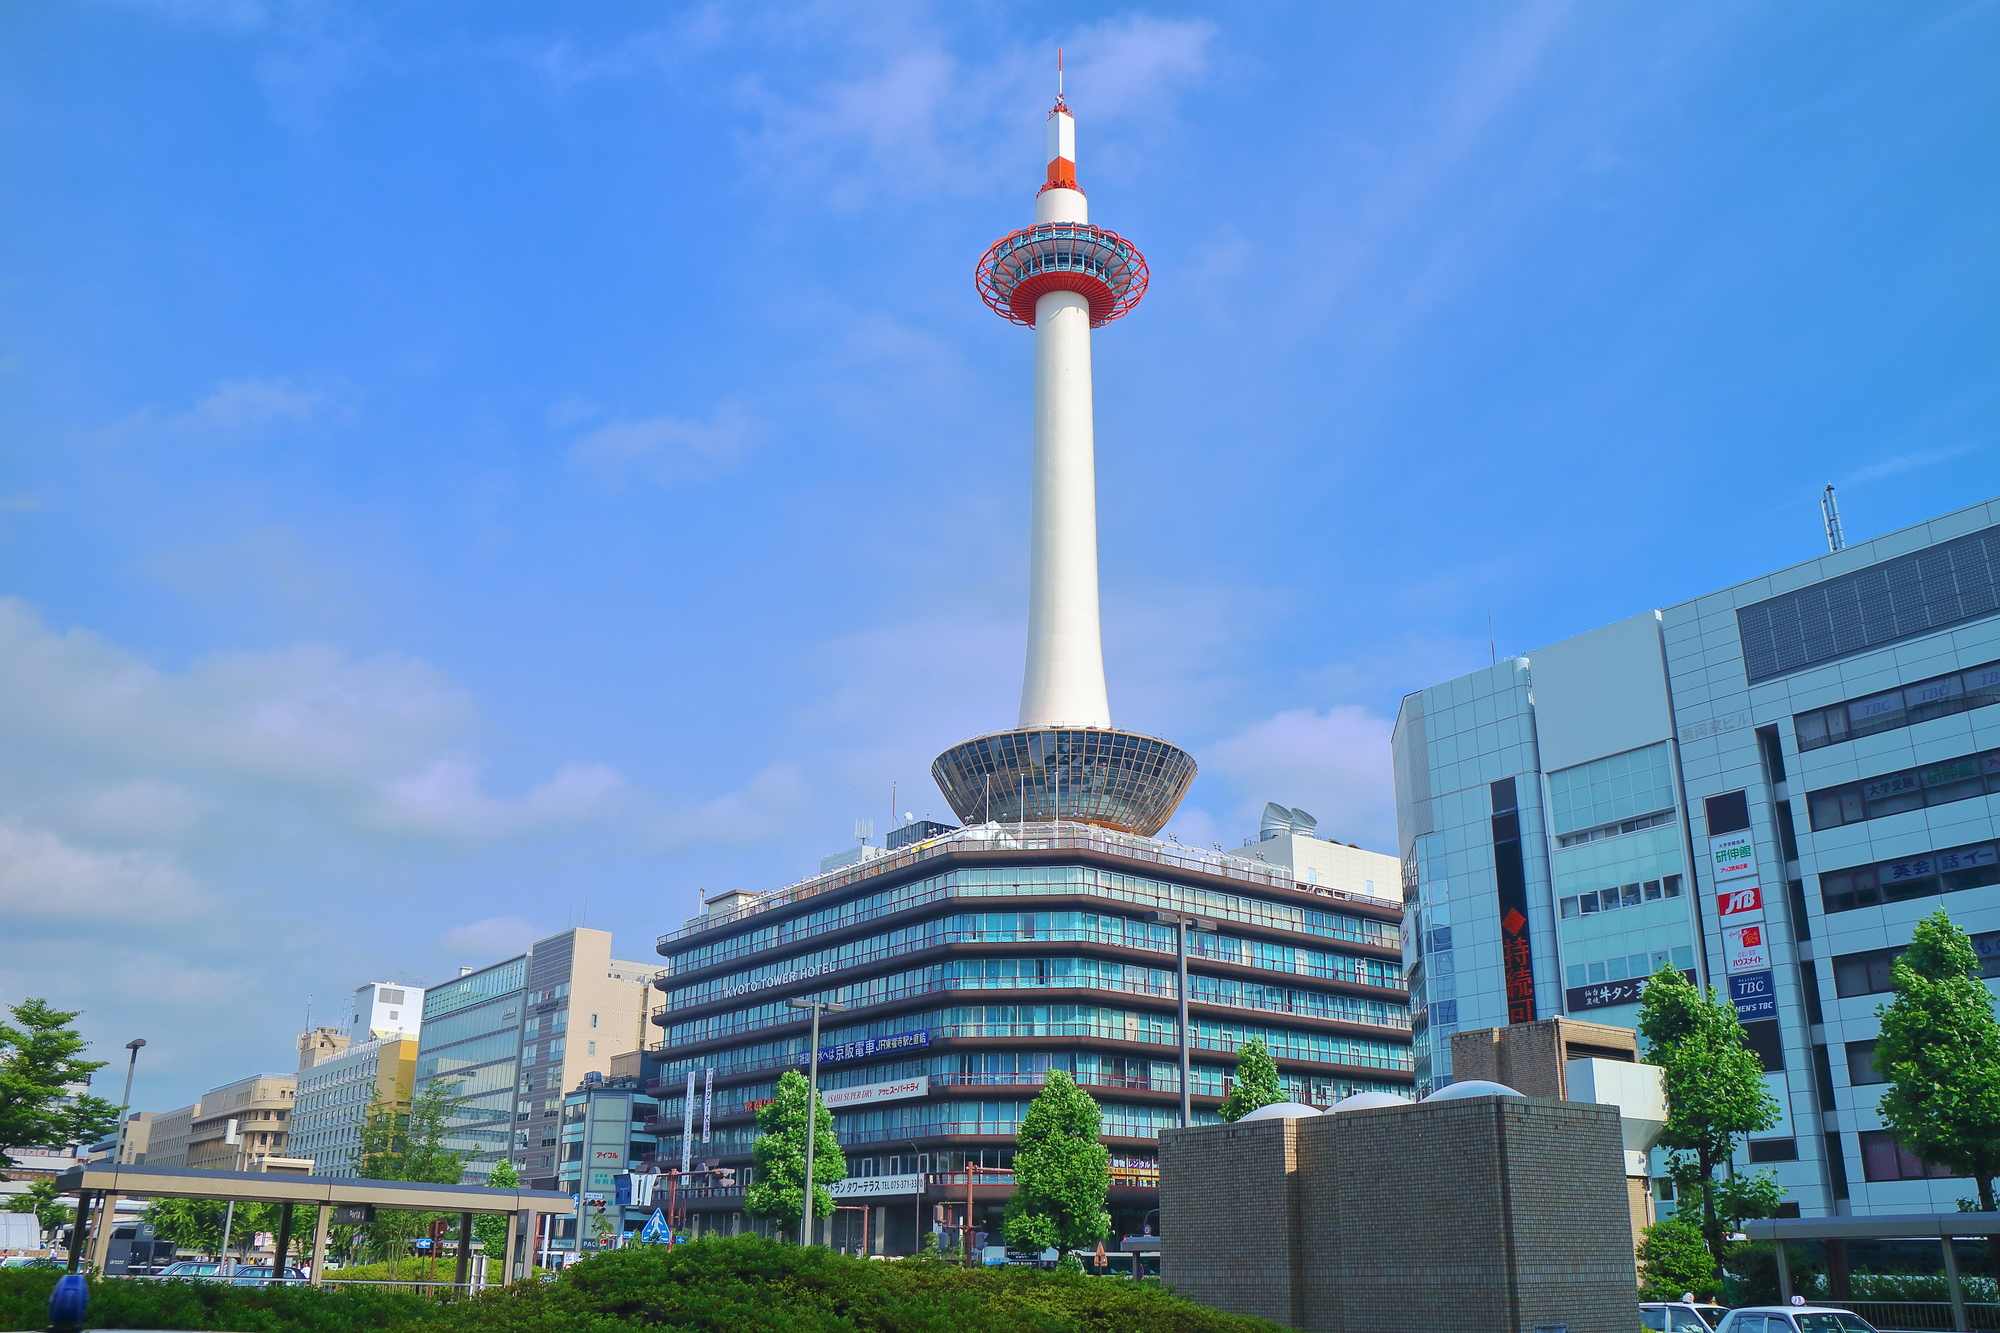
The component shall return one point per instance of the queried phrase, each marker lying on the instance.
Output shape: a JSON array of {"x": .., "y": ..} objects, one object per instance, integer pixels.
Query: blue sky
[{"x": 465, "y": 468}]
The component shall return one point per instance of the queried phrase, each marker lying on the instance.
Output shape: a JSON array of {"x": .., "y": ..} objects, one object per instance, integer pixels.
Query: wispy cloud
[
  {"x": 564, "y": 63},
  {"x": 21, "y": 502},
  {"x": 233, "y": 410},
  {"x": 669, "y": 450},
  {"x": 1912, "y": 460}
]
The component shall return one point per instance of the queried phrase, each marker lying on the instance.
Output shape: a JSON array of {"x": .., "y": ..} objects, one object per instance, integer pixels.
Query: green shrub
[
  {"x": 1673, "y": 1258},
  {"x": 743, "y": 1285}
]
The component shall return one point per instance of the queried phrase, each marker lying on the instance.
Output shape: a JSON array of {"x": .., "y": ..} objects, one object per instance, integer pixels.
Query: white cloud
[
  {"x": 22, "y": 502},
  {"x": 490, "y": 938},
  {"x": 446, "y": 798},
  {"x": 565, "y": 63},
  {"x": 1334, "y": 762},
  {"x": 43, "y": 876},
  {"x": 139, "y": 809},
  {"x": 667, "y": 449},
  {"x": 1910, "y": 461},
  {"x": 251, "y": 404}
]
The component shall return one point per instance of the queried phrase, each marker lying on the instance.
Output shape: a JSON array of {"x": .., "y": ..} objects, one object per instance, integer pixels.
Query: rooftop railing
[{"x": 1040, "y": 837}]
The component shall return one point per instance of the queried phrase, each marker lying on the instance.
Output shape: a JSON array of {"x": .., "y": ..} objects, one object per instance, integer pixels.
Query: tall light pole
[
  {"x": 1180, "y": 923},
  {"x": 812, "y": 1105},
  {"x": 125, "y": 1104}
]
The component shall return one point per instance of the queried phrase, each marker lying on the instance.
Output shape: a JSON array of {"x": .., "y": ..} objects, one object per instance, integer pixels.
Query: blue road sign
[{"x": 655, "y": 1230}]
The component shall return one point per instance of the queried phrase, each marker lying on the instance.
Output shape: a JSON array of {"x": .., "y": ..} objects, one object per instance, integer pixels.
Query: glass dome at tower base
[{"x": 1094, "y": 775}]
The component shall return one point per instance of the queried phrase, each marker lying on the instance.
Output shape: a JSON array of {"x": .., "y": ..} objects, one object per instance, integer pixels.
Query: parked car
[
  {"x": 1686, "y": 1315},
  {"x": 258, "y": 1275},
  {"x": 1796, "y": 1318},
  {"x": 31, "y": 1261},
  {"x": 191, "y": 1268}
]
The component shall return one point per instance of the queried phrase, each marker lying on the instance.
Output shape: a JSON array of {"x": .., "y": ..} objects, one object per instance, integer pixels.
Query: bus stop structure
[
  {"x": 1835, "y": 1233},
  {"x": 100, "y": 1187}
]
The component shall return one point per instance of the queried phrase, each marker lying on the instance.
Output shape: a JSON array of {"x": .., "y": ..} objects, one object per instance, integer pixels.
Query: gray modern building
[
  {"x": 516, "y": 1035},
  {"x": 1766, "y": 787}
]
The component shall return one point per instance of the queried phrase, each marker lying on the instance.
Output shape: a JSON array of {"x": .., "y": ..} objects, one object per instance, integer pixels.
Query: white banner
[
  {"x": 1744, "y": 950},
  {"x": 1733, "y": 855},
  {"x": 707, "y": 1101},
  {"x": 642, "y": 1188},
  {"x": 687, "y": 1126},
  {"x": 869, "y": 1187},
  {"x": 862, "y": 1094}
]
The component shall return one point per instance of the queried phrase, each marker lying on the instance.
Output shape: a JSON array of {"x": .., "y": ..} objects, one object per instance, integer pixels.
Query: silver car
[{"x": 1795, "y": 1319}]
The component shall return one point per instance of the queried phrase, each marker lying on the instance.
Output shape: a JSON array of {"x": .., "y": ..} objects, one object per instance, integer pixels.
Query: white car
[
  {"x": 1682, "y": 1316},
  {"x": 1797, "y": 1318}
]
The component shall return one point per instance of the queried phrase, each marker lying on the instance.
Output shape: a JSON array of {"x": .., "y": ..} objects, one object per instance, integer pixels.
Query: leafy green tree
[
  {"x": 45, "y": 1203},
  {"x": 191, "y": 1224},
  {"x": 1062, "y": 1171},
  {"x": 1940, "y": 1052},
  {"x": 1674, "y": 1258},
  {"x": 490, "y": 1229},
  {"x": 410, "y": 1145},
  {"x": 1256, "y": 1082},
  {"x": 1715, "y": 1094},
  {"x": 778, "y": 1190},
  {"x": 39, "y": 1062}
]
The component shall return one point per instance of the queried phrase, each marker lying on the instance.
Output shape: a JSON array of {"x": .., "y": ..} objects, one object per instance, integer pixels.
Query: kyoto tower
[{"x": 1063, "y": 277}]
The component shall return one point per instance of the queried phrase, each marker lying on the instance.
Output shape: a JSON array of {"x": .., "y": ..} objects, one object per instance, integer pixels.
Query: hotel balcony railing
[
  {"x": 1067, "y": 837},
  {"x": 1395, "y": 1020},
  {"x": 1202, "y": 947},
  {"x": 1403, "y": 1063}
]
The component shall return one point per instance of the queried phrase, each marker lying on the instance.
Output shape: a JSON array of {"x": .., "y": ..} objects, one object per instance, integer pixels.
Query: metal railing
[
  {"x": 1031, "y": 838},
  {"x": 1923, "y": 1316}
]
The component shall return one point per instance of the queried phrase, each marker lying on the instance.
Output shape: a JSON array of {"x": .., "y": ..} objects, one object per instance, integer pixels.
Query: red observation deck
[{"x": 1098, "y": 264}]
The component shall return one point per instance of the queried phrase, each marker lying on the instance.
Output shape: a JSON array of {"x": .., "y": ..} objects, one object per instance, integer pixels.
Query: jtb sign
[{"x": 1743, "y": 903}]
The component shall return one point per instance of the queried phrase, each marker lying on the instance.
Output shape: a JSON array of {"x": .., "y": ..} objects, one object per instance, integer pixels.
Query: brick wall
[
  {"x": 1229, "y": 1222},
  {"x": 1501, "y": 1214}
]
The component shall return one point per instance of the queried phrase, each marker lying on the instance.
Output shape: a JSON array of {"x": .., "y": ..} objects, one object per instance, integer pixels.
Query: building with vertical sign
[{"x": 1766, "y": 788}]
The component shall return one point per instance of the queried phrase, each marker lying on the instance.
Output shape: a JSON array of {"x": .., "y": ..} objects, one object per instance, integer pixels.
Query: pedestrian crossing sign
[{"x": 655, "y": 1230}]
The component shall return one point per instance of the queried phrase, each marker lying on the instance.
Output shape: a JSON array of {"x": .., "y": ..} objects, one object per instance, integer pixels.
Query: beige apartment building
[
  {"x": 261, "y": 1106},
  {"x": 319, "y": 1045},
  {"x": 167, "y": 1137},
  {"x": 334, "y": 1096}
]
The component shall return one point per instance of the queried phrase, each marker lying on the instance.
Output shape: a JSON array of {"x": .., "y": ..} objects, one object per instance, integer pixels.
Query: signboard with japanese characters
[
  {"x": 865, "y": 1093},
  {"x": 1741, "y": 905},
  {"x": 1753, "y": 996},
  {"x": 1732, "y": 856},
  {"x": 863, "y": 1047},
  {"x": 1744, "y": 949},
  {"x": 1605, "y": 994}
]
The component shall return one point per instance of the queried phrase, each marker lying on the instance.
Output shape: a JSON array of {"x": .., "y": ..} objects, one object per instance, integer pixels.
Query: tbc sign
[{"x": 1753, "y": 997}]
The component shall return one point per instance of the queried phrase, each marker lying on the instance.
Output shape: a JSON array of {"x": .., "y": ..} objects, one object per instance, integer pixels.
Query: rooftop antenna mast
[{"x": 1829, "y": 510}]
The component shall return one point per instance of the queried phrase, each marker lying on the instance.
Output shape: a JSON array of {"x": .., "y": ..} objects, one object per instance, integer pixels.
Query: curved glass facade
[{"x": 1119, "y": 779}]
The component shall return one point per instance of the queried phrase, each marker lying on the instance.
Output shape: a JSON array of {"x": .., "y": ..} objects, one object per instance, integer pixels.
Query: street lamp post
[
  {"x": 1180, "y": 923},
  {"x": 125, "y": 1103},
  {"x": 812, "y": 1105}
]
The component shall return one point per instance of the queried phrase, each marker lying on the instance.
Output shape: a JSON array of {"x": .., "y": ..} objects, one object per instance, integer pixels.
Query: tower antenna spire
[{"x": 1059, "y": 72}]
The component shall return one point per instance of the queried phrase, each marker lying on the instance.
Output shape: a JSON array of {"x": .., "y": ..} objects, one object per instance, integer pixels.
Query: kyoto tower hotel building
[{"x": 1045, "y": 933}]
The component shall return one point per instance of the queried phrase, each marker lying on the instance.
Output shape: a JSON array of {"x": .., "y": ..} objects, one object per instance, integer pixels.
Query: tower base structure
[{"x": 1093, "y": 775}]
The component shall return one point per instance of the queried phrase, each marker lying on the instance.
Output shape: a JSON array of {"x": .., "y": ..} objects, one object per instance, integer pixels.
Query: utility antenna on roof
[
  {"x": 1060, "y": 104},
  {"x": 1829, "y": 510}
]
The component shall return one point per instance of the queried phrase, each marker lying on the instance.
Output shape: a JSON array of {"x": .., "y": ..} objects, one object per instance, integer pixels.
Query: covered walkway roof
[
  {"x": 179, "y": 1182},
  {"x": 1878, "y": 1226}
]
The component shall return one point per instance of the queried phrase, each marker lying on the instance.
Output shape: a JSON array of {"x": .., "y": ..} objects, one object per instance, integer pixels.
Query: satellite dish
[{"x": 907, "y": 816}]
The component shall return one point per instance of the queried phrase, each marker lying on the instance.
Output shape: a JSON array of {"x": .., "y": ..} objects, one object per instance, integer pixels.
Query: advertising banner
[
  {"x": 1753, "y": 996},
  {"x": 687, "y": 1126},
  {"x": 1605, "y": 994},
  {"x": 1744, "y": 949},
  {"x": 707, "y": 1101},
  {"x": 869, "y": 1187},
  {"x": 918, "y": 1039},
  {"x": 899, "y": 1090},
  {"x": 1732, "y": 856},
  {"x": 1740, "y": 906}
]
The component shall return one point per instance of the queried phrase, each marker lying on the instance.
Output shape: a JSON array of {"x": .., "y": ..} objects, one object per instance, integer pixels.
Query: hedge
[{"x": 744, "y": 1284}]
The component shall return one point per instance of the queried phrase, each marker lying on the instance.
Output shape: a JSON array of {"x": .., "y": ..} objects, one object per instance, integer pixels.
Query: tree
[
  {"x": 1940, "y": 1052},
  {"x": 1715, "y": 1093},
  {"x": 490, "y": 1229},
  {"x": 1674, "y": 1258},
  {"x": 45, "y": 1203},
  {"x": 778, "y": 1190},
  {"x": 39, "y": 1065},
  {"x": 191, "y": 1224},
  {"x": 410, "y": 1145},
  {"x": 1256, "y": 1081},
  {"x": 1062, "y": 1171}
]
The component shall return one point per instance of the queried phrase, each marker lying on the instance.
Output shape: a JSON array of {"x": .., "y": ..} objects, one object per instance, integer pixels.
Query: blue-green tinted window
[{"x": 1611, "y": 790}]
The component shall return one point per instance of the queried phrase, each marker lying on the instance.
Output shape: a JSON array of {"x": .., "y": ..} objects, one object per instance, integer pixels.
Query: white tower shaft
[{"x": 1063, "y": 685}]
